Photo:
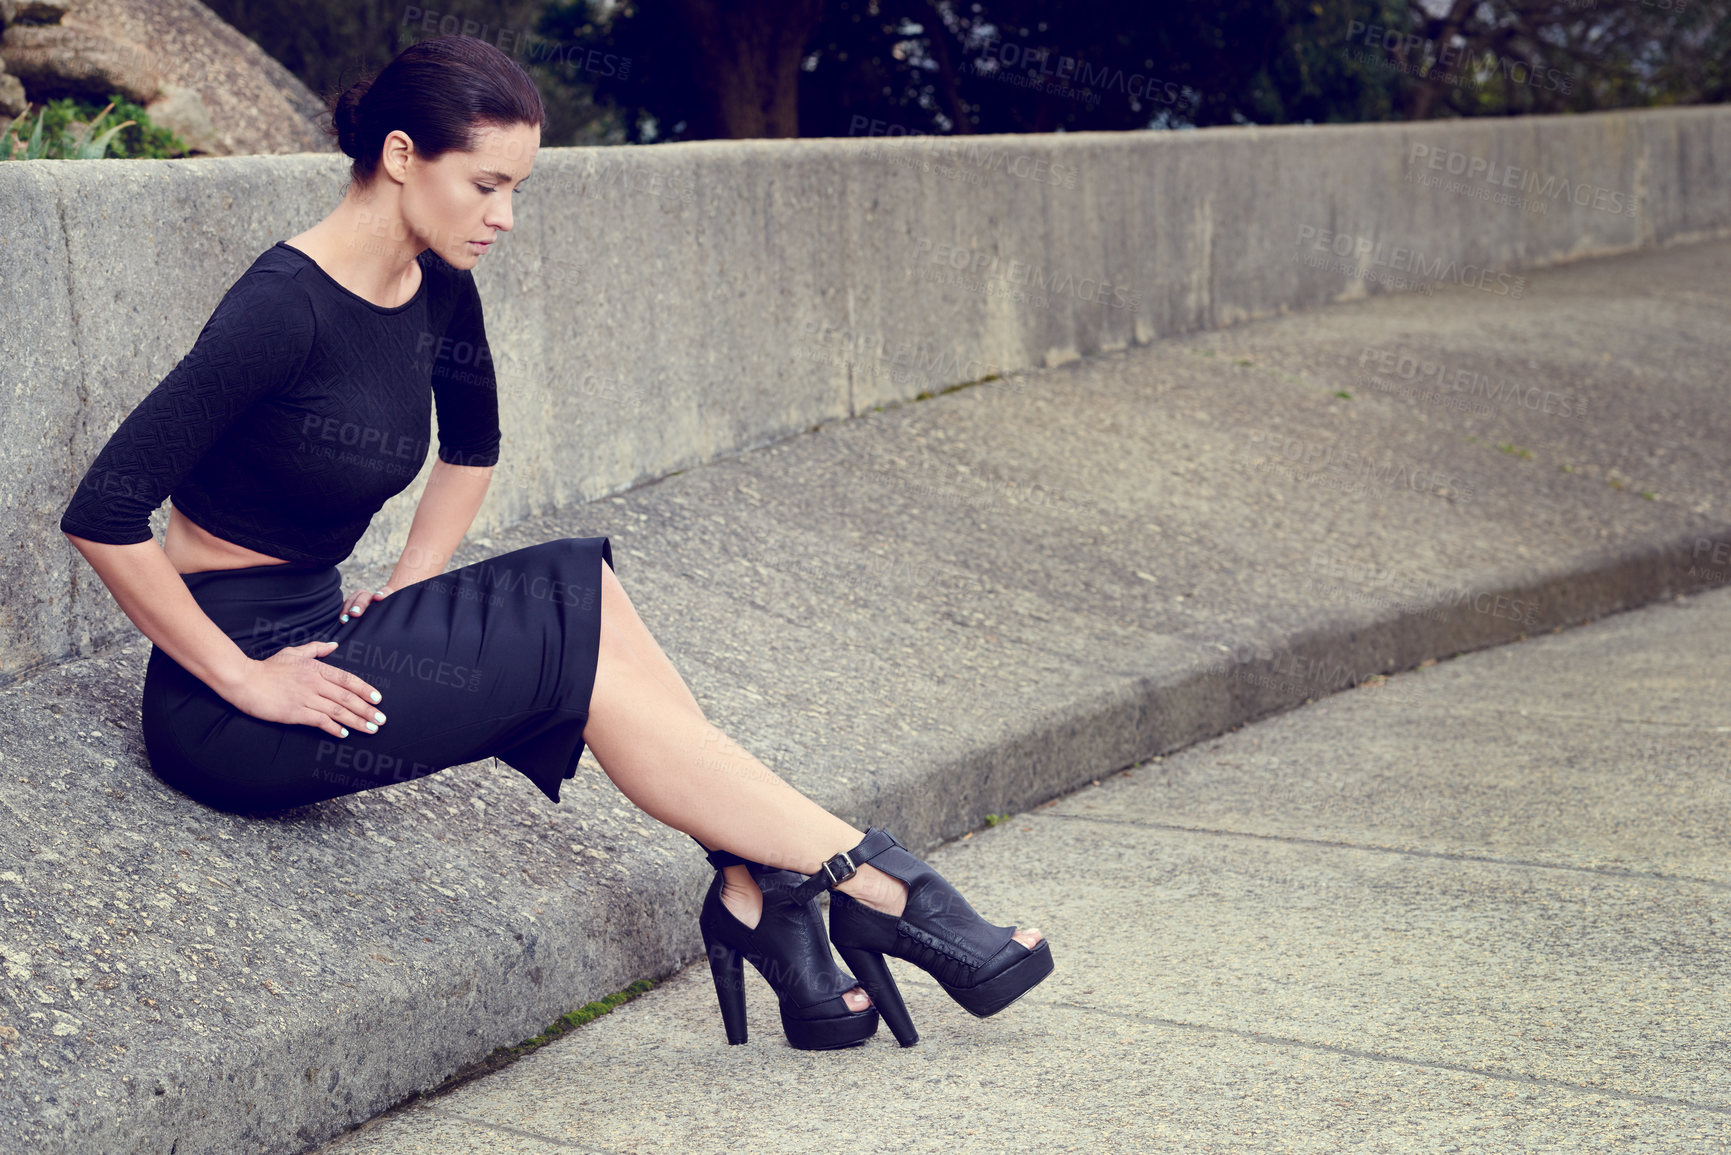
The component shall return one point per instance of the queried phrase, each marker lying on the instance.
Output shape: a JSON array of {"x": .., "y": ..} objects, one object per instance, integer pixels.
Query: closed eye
[{"x": 494, "y": 188}]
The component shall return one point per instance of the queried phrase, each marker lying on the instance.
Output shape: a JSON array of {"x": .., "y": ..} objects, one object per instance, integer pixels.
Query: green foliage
[
  {"x": 71, "y": 129},
  {"x": 639, "y": 71}
]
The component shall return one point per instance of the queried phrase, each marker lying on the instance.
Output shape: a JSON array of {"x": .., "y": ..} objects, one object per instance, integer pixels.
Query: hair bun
[{"x": 346, "y": 116}]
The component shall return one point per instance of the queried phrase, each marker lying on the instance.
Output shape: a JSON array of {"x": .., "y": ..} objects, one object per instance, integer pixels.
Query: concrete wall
[{"x": 656, "y": 308}]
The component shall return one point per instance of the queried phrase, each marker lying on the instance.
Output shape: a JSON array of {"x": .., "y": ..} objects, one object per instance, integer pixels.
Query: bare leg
[
  {"x": 739, "y": 890},
  {"x": 652, "y": 739}
]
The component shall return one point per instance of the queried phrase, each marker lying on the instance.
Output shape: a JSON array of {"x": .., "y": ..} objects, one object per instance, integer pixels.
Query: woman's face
[{"x": 459, "y": 204}]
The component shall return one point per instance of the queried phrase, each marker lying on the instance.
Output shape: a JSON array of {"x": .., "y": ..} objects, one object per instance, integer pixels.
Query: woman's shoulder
[
  {"x": 269, "y": 299},
  {"x": 275, "y": 274}
]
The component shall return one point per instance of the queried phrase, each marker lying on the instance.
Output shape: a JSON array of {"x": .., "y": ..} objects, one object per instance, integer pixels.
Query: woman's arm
[
  {"x": 152, "y": 593},
  {"x": 291, "y": 685},
  {"x": 444, "y": 514}
]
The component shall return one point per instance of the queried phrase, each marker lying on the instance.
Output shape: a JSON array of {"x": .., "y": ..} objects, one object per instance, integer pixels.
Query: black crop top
[{"x": 299, "y": 412}]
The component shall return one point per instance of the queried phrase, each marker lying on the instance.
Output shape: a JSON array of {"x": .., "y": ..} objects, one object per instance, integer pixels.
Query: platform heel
[
  {"x": 980, "y": 965},
  {"x": 790, "y": 950}
]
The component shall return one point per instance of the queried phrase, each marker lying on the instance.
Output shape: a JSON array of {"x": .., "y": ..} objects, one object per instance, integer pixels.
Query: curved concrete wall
[{"x": 656, "y": 308}]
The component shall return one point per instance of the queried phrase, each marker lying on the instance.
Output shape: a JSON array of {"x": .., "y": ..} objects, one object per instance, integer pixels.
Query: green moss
[
  {"x": 504, "y": 1056},
  {"x": 588, "y": 1013}
]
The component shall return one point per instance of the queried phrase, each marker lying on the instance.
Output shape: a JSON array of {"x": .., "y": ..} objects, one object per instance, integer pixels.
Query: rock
[
  {"x": 55, "y": 60},
  {"x": 31, "y": 11},
  {"x": 12, "y": 99},
  {"x": 194, "y": 74}
]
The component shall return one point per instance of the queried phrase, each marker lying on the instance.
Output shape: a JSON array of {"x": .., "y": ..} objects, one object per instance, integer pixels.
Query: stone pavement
[
  {"x": 1491, "y": 916},
  {"x": 947, "y": 610}
]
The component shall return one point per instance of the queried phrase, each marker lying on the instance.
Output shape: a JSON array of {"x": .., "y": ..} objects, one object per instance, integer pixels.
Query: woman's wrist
[{"x": 232, "y": 675}]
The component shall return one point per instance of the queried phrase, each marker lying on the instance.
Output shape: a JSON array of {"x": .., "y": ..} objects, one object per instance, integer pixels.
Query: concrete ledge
[
  {"x": 658, "y": 308},
  {"x": 944, "y": 610}
]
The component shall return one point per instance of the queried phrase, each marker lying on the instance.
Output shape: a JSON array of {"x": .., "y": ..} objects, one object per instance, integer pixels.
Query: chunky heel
[
  {"x": 978, "y": 964},
  {"x": 727, "y": 967},
  {"x": 874, "y": 976},
  {"x": 790, "y": 950}
]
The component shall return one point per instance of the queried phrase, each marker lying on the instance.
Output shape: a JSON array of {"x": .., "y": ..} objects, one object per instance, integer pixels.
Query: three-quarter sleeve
[
  {"x": 255, "y": 344},
  {"x": 465, "y": 391}
]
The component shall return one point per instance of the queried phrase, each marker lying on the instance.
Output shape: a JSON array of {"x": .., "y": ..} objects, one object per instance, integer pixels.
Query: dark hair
[{"x": 442, "y": 92}]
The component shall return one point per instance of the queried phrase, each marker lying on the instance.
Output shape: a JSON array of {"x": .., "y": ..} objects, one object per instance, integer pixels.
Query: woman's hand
[
  {"x": 292, "y": 685},
  {"x": 362, "y": 599}
]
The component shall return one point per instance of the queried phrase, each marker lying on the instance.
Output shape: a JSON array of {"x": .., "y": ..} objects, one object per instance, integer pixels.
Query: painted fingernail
[
  {"x": 354, "y": 609},
  {"x": 345, "y": 730},
  {"x": 345, "y": 617},
  {"x": 378, "y": 717},
  {"x": 372, "y": 729},
  {"x": 374, "y": 695}
]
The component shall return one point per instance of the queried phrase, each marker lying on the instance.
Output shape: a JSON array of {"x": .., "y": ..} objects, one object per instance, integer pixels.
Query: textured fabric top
[{"x": 299, "y": 412}]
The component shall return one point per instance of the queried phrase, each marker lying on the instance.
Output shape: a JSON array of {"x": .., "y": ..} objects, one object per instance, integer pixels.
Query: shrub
[{"x": 72, "y": 129}]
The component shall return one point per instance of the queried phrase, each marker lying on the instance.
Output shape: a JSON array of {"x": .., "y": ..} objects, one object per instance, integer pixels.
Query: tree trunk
[{"x": 745, "y": 57}]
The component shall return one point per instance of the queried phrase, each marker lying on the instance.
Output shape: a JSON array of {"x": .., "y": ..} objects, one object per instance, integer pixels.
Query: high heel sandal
[
  {"x": 980, "y": 965},
  {"x": 788, "y": 947}
]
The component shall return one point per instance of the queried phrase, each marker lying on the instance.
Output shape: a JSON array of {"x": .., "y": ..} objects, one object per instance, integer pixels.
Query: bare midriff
[{"x": 194, "y": 549}]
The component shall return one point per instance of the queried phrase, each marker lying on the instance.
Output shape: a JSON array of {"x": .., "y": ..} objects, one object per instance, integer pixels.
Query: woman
[{"x": 305, "y": 405}]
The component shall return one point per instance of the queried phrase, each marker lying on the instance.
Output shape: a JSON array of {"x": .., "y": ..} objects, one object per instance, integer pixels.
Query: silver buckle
[{"x": 834, "y": 878}]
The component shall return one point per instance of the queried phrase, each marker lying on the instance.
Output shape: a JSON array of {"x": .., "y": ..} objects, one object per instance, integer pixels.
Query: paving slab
[
  {"x": 941, "y": 611},
  {"x": 1609, "y": 754},
  {"x": 1287, "y": 980}
]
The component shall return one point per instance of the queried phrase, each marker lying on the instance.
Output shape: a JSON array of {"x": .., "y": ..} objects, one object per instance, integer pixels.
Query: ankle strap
[
  {"x": 721, "y": 858},
  {"x": 844, "y": 865}
]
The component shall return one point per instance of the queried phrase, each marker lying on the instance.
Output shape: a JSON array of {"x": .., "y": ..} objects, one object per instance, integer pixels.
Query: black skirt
[{"x": 492, "y": 659}]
